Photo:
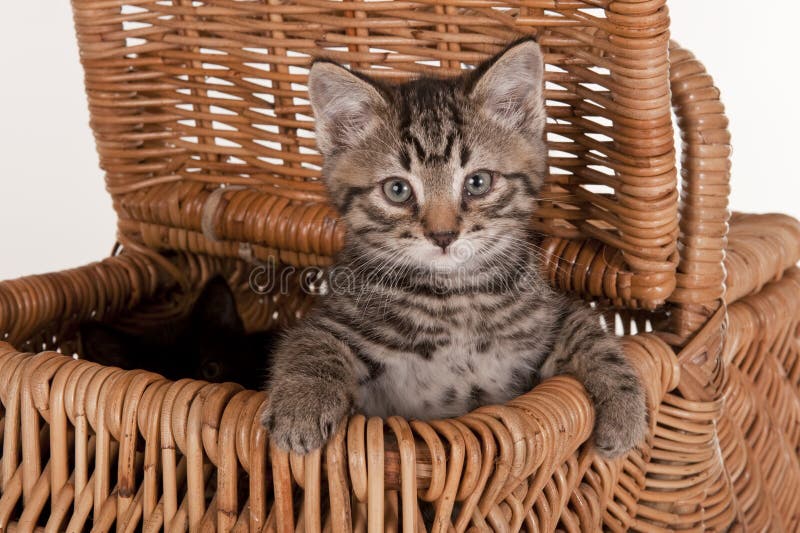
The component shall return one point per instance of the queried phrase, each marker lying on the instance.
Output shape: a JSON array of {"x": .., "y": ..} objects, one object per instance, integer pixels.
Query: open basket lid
[{"x": 205, "y": 133}]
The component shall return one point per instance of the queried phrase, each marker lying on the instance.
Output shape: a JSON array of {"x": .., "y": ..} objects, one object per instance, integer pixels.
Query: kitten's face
[
  {"x": 435, "y": 173},
  {"x": 210, "y": 344}
]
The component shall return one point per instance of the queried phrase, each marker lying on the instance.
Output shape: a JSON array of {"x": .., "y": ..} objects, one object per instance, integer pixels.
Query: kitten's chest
[{"x": 466, "y": 368}]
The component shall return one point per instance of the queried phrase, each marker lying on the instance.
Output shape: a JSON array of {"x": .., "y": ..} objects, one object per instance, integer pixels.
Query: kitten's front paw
[
  {"x": 302, "y": 418},
  {"x": 621, "y": 421}
]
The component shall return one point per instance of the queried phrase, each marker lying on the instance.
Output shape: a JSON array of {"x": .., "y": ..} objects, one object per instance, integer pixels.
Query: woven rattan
[
  {"x": 204, "y": 132},
  {"x": 131, "y": 448}
]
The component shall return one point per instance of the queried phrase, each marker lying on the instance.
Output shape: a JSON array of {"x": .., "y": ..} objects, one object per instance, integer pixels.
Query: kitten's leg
[
  {"x": 314, "y": 378},
  {"x": 584, "y": 350}
]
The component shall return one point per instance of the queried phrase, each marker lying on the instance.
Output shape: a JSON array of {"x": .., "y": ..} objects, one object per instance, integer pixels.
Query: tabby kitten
[{"x": 436, "y": 181}]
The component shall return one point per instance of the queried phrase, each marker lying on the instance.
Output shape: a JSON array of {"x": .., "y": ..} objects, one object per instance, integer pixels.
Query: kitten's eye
[
  {"x": 397, "y": 190},
  {"x": 478, "y": 183}
]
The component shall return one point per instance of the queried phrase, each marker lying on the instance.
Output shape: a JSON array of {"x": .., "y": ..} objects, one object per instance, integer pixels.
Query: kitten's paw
[
  {"x": 303, "y": 418},
  {"x": 621, "y": 421}
]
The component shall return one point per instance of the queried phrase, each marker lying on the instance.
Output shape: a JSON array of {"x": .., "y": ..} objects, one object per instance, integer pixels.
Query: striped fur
[{"x": 410, "y": 327}]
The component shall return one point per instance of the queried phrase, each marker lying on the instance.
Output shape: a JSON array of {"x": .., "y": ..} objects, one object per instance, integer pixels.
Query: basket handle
[{"x": 705, "y": 175}]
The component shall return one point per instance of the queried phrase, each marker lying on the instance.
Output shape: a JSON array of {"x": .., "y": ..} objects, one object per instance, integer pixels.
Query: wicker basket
[{"x": 204, "y": 132}]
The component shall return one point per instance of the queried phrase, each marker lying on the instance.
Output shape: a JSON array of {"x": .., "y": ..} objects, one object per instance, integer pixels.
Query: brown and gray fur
[{"x": 443, "y": 309}]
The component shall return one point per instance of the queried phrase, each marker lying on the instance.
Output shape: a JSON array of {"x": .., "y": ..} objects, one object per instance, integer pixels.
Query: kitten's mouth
[
  {"x": 458, "y": 253},
  {"x": 461, "y": 250}
]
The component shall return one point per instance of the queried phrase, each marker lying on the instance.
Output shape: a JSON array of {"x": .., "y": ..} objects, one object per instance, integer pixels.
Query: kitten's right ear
[
  {"x": 509, "y": 88},
  {"x": 345, "y": 106}
]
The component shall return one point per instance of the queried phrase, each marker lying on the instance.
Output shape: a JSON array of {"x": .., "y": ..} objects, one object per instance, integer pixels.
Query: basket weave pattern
[
  {"x": 204, "y": 131},
  {"x": 83, "y": 442}
]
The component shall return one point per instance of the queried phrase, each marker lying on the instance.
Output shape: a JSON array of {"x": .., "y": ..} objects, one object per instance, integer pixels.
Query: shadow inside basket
[
  {"x": 199, "y": 336},
  {"x": 218, "y": 322}
]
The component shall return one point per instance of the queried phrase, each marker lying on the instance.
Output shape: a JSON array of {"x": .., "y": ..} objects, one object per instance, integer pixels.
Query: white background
[{"x": 55, "y": 213}]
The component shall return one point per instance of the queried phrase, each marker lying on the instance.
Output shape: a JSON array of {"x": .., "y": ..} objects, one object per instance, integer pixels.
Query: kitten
[
  {"x": 210, "y": 344},
  {"x": 436, "y": 181}
]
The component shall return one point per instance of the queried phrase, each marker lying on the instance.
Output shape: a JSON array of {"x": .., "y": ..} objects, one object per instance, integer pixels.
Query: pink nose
[{"x": 442, "y": 239}]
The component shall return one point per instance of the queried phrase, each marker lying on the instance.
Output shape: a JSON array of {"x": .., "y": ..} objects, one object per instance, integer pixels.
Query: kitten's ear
[
  {"x": 509, "y": 88},
  {"x": 103, "y": 344},
  {"x": 345, "y": 106},
  {"x": 215, "y": 308}
]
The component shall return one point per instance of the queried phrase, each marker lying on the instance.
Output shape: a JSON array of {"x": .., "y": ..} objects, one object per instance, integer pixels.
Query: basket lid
[{"x": 206, "y": 135}]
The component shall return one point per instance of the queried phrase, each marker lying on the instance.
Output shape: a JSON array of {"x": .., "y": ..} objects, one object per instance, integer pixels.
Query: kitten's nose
[{"x": 442, "y": 239}]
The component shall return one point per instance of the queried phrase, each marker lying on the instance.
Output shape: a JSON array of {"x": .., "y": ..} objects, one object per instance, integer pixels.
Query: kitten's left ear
[
  {"x": 509, "y": 88},
  {"x": 106, "y": 345},
  {"x": 346, "y": 106},
  {"x": 215, "y": 308}
]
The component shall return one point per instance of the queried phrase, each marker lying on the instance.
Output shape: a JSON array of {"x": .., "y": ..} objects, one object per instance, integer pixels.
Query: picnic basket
[{"x": 204, "y": 132}]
